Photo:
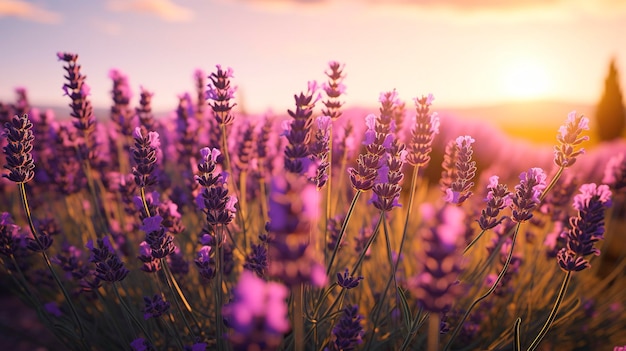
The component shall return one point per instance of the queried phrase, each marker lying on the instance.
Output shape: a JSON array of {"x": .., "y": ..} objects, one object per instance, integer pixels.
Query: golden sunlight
[{"x": 525, "y": 79}]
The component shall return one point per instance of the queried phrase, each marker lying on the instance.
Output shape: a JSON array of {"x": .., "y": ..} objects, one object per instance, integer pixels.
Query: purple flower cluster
[
  {"x": 161, "y": 244},
  {"x": 145, "y": 156},
  {"x": 221, "y": 93},
  {"x": 257, "y": 314},
  {"x": 213, "y": 199},
  {"x": 459, "y": 170},
  {"x": 19, "y": 149},
  {"x": 293, "y": 206},
  {"x": 109, "y": 266},
  {"x": 298, "y": 132},
  {"x": 527, "y": 194},
  {"x": 155, "y": 307},
  {"x": 121, "y": 113},
  {"x": 569, "y": 138},
  {"x": 436, "y": 286},
  {"x": 498, "y": 198},
  {"x": 615, "y": 173},
  {"x": 348, "y": 333},
  {"x": 586, "y": 228},
  {"x": 333, "y": 89},
  {"x": 82, "y": 110},
  {"x": 423, "y": 132}
]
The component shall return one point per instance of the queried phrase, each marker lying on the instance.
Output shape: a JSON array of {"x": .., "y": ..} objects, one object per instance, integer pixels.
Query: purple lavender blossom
[
  {"x": 161, "y": 243},
  {"x": 615, "y": 173},
  {"x": 121, "y": 113},
  {"x": 82, "y": 110},
  {"x": 257, "y": 260},
  {"x": 18, "y": 151},
  {"x": 527, "y": 194},
  {"x": 424, "y": 129},
  {"x": 205, "y": 263},
  {"x": 144, "y": 111},
  {"x": 348, "y": 333},
  {"x": 347, "y": 281},
  {"x": 320, "y": 148},
  {"x": 9, "y": 236},
  {"x": 145, "y": 156},
  {"x": 257, "y": 314},
  {"x": 498, "y": 198},
  {"x": 150, "y": 264},
  {"x": 109, "y": 266},
  {"x": 141, "y": 344},
  {"x": 569, "y": 137},
  {"x": 298, "y": 131},
  {"x": 586, "y": 228},
  {"x": 463, "y": 171},
  {"x": 334, "y": 88},
  {"x": 221, "y": 93},
  {"x": 436, "y": 286},
  {"x": 293, "y": 206},
  {"x": 53, "y": 309},
  {"x": 155, "y": 307}
]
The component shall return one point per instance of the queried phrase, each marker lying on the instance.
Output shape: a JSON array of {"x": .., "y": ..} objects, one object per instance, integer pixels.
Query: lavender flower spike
[
  {"x": 424, "y": 129},
  {"x": 145, "y": 156},
  {"x": 587, "y": 228},
  {"x": 463, "y": 171},
  {"x": 19, "y": 149},
  {"x": 437, "y": 286},
  {"x": 498, "y": 198},
  {"x": 258, "y": 313},
  {"x": 527, "y": 194},
  {"x": 348, "y": 333},
  {"x": 569, "y": 137}
]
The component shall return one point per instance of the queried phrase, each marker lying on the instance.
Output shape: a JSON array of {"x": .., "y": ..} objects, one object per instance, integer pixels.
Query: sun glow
[{"x": 526, "y": 79}]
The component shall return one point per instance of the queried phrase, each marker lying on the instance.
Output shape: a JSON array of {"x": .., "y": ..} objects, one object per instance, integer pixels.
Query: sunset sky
[{"x": 465, "y": 52}]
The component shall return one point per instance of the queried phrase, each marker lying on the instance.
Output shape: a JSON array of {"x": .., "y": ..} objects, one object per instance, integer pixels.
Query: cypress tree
[{"x": 610, "y": 113}]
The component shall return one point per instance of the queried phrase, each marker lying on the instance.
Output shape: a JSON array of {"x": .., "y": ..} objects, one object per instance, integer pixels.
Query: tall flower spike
[
  {"x": 109, "y": 266},
  {"x": 463, "y": 171},
  {"x": 436, "y": 286},
  {"x": 527, "y": 194},
  {"x": 145, "y": 155},
  {"x": 586, "y": 228},
  {"x": 298, "y": 131},
  {"x": 221, "y": 93},
  {"x": 257, "y": 314},
  {"x": 348, "y": 333},
  {"x": 19, "y": 149},
  {"x": 615, "y": 173},
  {"x": 498, "y": 198},
  {"x": 121, "y": 113},
  {"x": 569, "y": 138},
  {"x": 334, "y": 88},
  {"x": 424, "y": 129},
  {"x": 82, "y": 110}
]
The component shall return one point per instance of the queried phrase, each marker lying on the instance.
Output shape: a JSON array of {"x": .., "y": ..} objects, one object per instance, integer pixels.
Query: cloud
[
  {"x": 165, "y": 9},
  {"x": 521, "y": 7},
  {"x": 106, "y": 27},
  {"x": 27, "y": 11}
]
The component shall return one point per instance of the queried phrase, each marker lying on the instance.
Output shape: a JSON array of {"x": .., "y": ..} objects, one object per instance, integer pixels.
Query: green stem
[
  {"x": 517, "y": 346},
  {"x": 469, "y": 246},
  {"x": 328, "y": 184},
  {"x": 553, "y": 313},
  {"x": 131, "y": 314},
  {"x": 552, "y": 183},
  {"x": 243, "y": 205},
  {"x": 433, "y": 332},
  {"x": 218, "y": 287},
  {"x": 491, "y": 290},
  {"x": 298, "y": 318},
  {"x": 344, "y": 225},
  {"x": 367, "y": 246},
  {"x": 24, "y": 197}
]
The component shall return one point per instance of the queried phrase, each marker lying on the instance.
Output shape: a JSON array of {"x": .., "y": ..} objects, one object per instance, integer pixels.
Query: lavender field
[{"x": 314, "y": 229}]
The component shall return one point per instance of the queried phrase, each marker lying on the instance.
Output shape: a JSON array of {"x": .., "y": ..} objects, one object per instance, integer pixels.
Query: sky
[{"x": 464, "y": 52}]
